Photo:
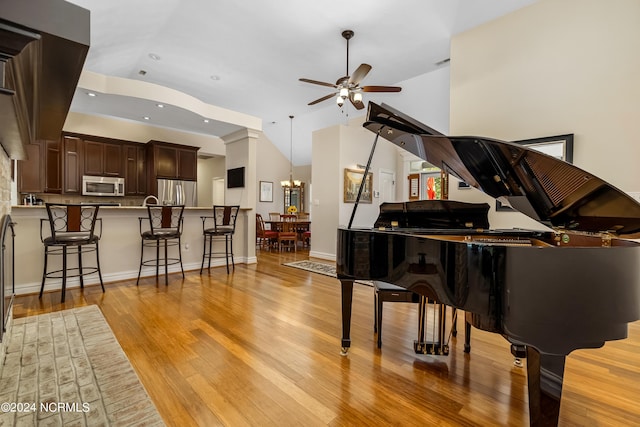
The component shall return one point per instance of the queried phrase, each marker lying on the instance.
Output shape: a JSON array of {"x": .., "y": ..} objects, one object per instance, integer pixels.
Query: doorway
[
  {"x": 387, "y": 186},
  {"x": 217, "y": 194}
]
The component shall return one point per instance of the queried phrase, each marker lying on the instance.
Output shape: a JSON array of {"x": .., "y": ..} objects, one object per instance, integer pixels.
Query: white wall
[
  {"x": 271, "y": 166},
  {"x": 325, "y": 174},
  {"x": 207, "y": 170},
  {"x": 355, "y": 147},
  {"x": 335, "y": 149},
  {"x": 425, "y": 98},
  {"x": 555, "y": 67}
]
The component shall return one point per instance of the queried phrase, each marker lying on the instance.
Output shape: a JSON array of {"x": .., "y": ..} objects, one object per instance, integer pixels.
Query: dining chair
[
  {"x": 303, "y": 216},
  {"x": 264, "y": 236},
  {"x": 288, "y": 235},
  {"x": 306, "y": 238},
  {"x": 224, "y": 227},
  {"x": 274, "y": 216},
  {"x": 164, "y": 225},
  {"x": 72, "y": 230}
]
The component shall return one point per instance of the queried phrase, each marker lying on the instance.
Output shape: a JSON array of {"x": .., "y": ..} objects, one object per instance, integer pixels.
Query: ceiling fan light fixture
[{"x": 348, "y": 86}]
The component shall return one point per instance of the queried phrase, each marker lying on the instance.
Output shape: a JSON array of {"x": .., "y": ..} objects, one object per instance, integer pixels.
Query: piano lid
[{"x": 549, "y": 190}]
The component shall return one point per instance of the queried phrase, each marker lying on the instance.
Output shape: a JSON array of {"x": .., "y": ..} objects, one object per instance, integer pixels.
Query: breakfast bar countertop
[{"x": 120, "y": 244}]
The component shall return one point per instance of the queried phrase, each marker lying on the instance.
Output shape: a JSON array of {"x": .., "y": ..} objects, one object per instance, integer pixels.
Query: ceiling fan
[{"x": 349, "y": 86}]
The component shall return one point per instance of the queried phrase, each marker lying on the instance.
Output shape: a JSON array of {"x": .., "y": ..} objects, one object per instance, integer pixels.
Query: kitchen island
[{"x": 119, "y": 246}]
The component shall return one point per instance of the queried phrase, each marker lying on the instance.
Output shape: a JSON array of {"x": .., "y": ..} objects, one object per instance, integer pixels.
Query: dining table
[{"x": 301, "y": 226}]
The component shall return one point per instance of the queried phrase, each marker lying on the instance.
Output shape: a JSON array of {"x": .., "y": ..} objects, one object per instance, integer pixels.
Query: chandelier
[{"x": 291, "y": 182}]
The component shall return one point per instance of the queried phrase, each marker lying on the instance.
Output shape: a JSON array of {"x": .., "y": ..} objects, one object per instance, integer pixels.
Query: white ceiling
[{"x": 258, "y": 49}]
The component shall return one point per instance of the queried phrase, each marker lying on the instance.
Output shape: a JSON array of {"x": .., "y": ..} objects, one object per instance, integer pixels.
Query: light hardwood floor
[{"x": 262, "y": 347}]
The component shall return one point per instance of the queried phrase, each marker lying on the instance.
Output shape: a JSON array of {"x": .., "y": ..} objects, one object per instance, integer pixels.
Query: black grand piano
[{"x": 547, "y": 292}]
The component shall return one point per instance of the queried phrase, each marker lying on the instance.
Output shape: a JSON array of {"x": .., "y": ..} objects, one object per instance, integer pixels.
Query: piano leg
[
  {"x": 544, "y": 381},
  {"x": 347, "y": 302},
  {"x": 467, "y": 337},
  {"x": 454, "y": 319}
]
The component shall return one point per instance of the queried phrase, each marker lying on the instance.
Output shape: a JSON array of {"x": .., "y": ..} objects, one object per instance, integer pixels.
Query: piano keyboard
[{"x": 500, "y": 241}]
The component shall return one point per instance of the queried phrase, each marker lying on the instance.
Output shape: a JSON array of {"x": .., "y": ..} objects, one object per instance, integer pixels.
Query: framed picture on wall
[
  {"x": 352, "y": 180},
  {"x": 266, "y": 191},
  {"x": 559, "y": 146}
]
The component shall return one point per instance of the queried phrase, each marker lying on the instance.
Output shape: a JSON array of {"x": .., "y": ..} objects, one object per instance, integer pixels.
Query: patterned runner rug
[
  {"x": 320, "y": 268},
  {"x": 316, "y": 267},
  {"x": 67, "y": 368}
]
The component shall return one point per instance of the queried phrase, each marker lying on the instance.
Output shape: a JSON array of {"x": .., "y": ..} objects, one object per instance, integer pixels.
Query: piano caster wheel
[
  {"x": 467, "y": 348},
  {"x": 517, "y": 362},
  {"x": 344, "y": 351}
]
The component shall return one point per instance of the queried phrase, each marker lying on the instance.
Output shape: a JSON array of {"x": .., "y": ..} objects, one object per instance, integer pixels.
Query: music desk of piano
[{"x": 544, "y": 291}]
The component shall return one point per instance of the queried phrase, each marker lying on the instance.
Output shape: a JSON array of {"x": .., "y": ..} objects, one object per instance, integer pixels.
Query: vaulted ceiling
[{"x": 247, "y": 56}]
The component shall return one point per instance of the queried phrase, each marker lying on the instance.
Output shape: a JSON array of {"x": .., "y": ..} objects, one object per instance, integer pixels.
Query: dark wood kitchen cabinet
[
  {"x": 102, "y": 158},
  {"x": 171, "y": 161},
  {"x": 73, "y": 166},
  {"x": 41, "y": 172},
  {"x": 166, "y": 161},
  {"x": 135, "y": 179},
  {"x": 187, "y": 164},
  {"x": 53, "y": 166},
  {"x": 30, "y": 176}
]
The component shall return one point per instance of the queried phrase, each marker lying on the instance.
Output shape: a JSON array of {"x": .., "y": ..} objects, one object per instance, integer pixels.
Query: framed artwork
[
  {"x": 352, "y": 180},
  {"x": 266, "y": 191},
  {"x": 559, "y": 146},
  {"x": 414, "y": 186}
]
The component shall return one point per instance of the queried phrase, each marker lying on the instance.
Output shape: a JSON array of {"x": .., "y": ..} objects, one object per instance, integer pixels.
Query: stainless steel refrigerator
[{"x": 177, "y": 192}]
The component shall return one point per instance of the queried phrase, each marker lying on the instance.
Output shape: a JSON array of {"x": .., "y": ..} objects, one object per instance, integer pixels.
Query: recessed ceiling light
[
  {"x": 214, "y": 77},
  {"x": 146, "y": 117},
  {"x": 91, "y": 94},
  {"x": 160, "y": 105},
  {"x": 154, "y": 56},
  {"x": 206, "y": 120}
]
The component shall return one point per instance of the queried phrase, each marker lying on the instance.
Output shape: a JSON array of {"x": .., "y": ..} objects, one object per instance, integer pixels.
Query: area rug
[
  {"x": 67, "y": 368},
  {"x": 315, "y": 267},
  {"x": 320, "y": 268}
]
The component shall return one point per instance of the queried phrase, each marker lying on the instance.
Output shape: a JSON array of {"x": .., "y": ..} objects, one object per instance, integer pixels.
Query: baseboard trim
[{"x": 56, "y": 284}]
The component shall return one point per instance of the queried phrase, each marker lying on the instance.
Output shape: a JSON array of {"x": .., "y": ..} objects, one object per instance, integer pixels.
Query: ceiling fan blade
[
  {"x": 324, "y": 98},
  {"x": 358, "y": 104},
  {"x": 316, "y": 82},
  {"x": 381, "y": 88},
  {"x": 359, "y": 74}
]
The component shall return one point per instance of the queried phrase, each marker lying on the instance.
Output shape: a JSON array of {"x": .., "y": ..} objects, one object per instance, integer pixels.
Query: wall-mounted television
[{"x": 235, "y": 177}]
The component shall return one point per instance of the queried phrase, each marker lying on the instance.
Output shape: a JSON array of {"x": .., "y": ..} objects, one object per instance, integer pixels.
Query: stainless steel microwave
[{"x": 102, "y": 186}]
